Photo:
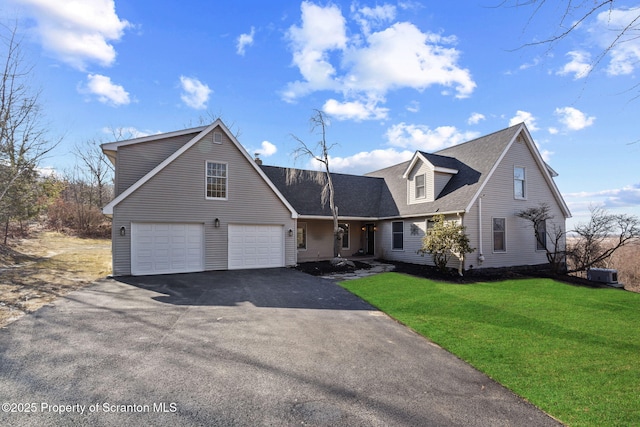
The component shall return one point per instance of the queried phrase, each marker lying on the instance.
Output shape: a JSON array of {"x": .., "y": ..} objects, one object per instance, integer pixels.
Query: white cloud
[
  {"x": 375, "y": 17},
  {"x": 245, "y": 40},
  {"x": 322, "y": 30},
  {"x": 354, "y": 110},
  {"x": 580, "y": 65},
  {"x": 527, "y": 118},
  {"x": 627, "y": 196},
  {"x": 553, "y": 131},
  {"x": 625, "y": 53},
  {"x": 194, "y": 93},
  {"x": 106, "y": 91},
  {"x": 266, "y": 149},
  {"x": 475, "y": 118},
  {"x": 369, "y": 64},
  {"x": 421, "y": 137},
  {"x": 413, "y": 107},
  {"x": 574, "y": 119},
  {"x": 78, "y": 32},
  {"x": 368, "y": 161}
]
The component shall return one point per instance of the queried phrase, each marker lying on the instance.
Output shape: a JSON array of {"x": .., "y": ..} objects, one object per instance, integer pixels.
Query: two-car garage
[{"x": 165, "y": 248}]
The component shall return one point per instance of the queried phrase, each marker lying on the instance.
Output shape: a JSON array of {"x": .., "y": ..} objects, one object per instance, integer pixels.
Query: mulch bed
[{"x": 321, "y": 268}]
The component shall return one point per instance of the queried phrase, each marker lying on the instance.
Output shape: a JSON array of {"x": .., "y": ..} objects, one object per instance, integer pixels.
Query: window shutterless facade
[
  {"x": 541, "y": 236},
  {"x": 499, "y": 234},
  {"x": 420, "y": 187},
  {"x": 345, "y": 236},
  {"x": 519, "y": 183},
  {"x": 216, "y": 185},
  {"x": 397, "y": 235},
  {"x": 301, "y": 236}
]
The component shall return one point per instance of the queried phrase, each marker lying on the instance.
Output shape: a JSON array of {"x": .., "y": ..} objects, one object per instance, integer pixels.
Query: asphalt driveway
[{"x": 264, "y": 347}]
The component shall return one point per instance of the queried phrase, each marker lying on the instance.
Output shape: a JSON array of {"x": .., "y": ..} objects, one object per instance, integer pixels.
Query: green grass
[{"x": 572, "y": 351}]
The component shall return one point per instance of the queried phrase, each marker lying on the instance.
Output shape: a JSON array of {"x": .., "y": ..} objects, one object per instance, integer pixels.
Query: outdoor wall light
[
  {"x": 290, "y": 232},
  {"x": 216, "y": 223},
  {"x": 123, "y": 231}
]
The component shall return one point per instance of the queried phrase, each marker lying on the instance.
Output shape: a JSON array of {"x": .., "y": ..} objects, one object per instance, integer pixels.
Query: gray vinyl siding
[
  {"x": 177, "y": 194},
  {"x": 420, "y": 169},
  {"x": 498, "y": 201},
  {"x": 320, "y": 239},
  {"x": 136, "y": 160},
  {"x": 414, "y": 231},
  {"x": 434, "y": 183}
]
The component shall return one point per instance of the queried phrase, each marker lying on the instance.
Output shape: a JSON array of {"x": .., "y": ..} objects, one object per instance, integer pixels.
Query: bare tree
[
  {"x": 97, "y": 170},
  {"x": 601, "y": 237},
  {"x": 552, "y": 240},
  {"x": 571, "y": 14},
  {"x": 594, "y": 242},
  {"x": 23, "y": 141},
  {"x": 320, "y": 153}
]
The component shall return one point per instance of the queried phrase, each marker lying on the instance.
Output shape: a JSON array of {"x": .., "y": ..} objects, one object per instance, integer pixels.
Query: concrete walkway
[{"x": 236, "y": 348}]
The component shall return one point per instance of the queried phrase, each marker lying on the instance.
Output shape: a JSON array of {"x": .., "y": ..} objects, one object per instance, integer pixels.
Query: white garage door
[
  {"x": 166, "y": 248},
  {"x": 255, "y": 246}
]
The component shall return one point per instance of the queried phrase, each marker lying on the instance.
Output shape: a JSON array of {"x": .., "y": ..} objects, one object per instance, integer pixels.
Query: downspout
[
  {"x": 480, "y": 253},
  {"x": 461, "y": 263}
]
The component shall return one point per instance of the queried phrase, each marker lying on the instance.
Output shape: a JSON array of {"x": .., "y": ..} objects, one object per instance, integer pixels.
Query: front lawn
[{"x": 572, "y": 351}]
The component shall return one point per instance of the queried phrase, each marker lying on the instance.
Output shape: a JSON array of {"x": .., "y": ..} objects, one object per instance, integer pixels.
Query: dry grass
[
  {"x": 627, "y": 261},
  {"x": 37, "y": 270}
]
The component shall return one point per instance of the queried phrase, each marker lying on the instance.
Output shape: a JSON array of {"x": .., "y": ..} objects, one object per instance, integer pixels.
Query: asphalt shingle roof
[{"x": 383, "y": 193}]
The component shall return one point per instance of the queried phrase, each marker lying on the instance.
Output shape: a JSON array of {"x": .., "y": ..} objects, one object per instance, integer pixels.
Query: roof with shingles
[
  {"x": 383, "y": 193},
  {"x": 355, "y": 195},
  {"x": 474, "y": 160}
]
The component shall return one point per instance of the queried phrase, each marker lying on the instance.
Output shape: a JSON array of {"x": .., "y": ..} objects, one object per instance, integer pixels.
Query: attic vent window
[{"x": 217, "y": 137}]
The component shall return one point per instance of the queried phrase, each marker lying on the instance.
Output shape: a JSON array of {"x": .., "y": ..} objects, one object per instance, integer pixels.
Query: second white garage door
[{"x": 255, "y": 246}]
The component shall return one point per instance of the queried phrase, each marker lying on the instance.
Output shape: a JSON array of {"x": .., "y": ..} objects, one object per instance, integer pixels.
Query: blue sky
[{"x": 394, "y": 77}]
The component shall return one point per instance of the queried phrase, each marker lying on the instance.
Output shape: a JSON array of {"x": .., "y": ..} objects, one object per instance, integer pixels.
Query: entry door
[{"x": 371, "y": 240}]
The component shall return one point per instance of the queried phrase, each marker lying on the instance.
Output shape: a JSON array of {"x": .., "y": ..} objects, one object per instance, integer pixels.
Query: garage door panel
[
  {"x": 160, "y": 248},
  {"x": 256, "y": 246}
]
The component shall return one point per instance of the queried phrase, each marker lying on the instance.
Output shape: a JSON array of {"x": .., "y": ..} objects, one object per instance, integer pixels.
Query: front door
[{"x": 370, "y": 237}]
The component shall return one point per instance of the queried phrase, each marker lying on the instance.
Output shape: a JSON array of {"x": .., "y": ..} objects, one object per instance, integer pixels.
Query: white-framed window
[
  {"x": 519, "y": 183},
  {"x": 421, "y": 192},
  {"x": 397, "y": 235},
  {"x": 216, "y": 180},
  {"x": 541, "y": 236},
  {"x": 301, "y": 236},
  {"x": 499, "y": 234},
  {"x": 217, "y": 137},
  {"x": 345, "y": 236}
]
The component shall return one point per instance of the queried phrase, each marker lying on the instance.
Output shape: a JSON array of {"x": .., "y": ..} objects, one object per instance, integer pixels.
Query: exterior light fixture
[
  {"x": 123, "y": 231},
  {"x": 290, "y": 232},
  {"x": 216, "y": 223}
]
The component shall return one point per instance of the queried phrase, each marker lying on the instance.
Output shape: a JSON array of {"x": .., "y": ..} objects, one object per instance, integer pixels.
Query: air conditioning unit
[{"x": 607, "y": 276}]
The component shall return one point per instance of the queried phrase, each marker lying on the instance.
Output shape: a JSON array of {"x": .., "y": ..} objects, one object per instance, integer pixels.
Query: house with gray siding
[{"x": 195, "y": 200}]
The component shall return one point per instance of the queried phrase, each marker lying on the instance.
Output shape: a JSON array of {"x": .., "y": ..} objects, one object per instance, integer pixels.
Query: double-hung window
[
  {"x": 541, "y": 236},
  {"x": 397, "y": 235},
  {"x": 519, "y": 187},
  {"x": 216, "y": 187},
  {"x": 499, "y": 234},
  {"x": 420, "y": 187}
]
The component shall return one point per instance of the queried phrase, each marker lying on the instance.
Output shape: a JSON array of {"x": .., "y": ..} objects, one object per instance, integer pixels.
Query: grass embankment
[
  {"x": 572, "y": 351},
  {"x": 37, "y": 270}
]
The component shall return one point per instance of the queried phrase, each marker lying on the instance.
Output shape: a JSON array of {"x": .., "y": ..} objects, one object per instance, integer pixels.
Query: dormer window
[{"x": 421, "y": 192}]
